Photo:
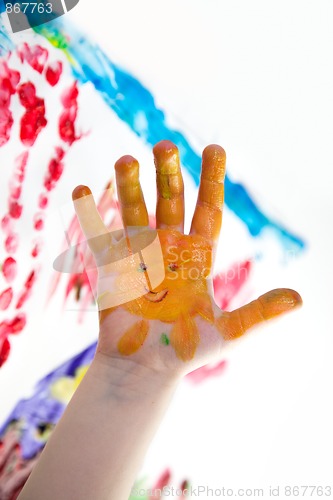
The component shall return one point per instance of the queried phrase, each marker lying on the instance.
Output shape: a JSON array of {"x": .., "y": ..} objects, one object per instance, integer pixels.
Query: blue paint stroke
[
  {"x": 6, "y": 44},
  {"x": 135, "y": 105}
]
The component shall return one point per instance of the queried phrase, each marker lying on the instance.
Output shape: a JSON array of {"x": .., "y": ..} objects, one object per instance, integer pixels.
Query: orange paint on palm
[
  {"x": 181, "y": 296},
  {"x": 134, "y": 338},
  {"x": 185, "y": 337},
  {"x": 187, "y": 262}
]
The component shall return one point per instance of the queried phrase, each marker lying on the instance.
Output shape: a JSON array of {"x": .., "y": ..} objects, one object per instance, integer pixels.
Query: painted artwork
[{"x": 54, "y": 82}]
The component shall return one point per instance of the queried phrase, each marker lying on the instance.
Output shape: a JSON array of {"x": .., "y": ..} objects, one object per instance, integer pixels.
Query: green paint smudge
[{"x": 165, "y": 339}]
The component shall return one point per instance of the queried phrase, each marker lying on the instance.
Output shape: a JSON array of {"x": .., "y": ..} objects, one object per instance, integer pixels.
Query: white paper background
[{"x": 257, "y": 78}]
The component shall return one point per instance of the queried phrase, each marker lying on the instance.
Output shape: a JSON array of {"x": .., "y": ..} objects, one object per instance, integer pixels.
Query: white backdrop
[{"x": 257, "y": 78}]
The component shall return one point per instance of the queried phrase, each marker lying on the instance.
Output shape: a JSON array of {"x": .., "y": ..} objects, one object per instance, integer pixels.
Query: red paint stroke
[
  {"x": 14, "y": 469},
  {"x": 35, "y": 55},
  {"x": 9, "y": 269},
  {"x": 9, "y": 79},
  {"x": 37, "y": 247},
  {"x": 6, "y": 223},
  {"x": 15, "y": 208},
  {"x": 4, "y": 350},
  {"x": 165, "y": 480},
  {"x": 38, "y": 222},
  {"x": 55, "y": 169},
  {"x": 162, "y": 482},
  {"x": 14, "y": 326},
  {"x": 43, "y": 201},
  {"x": 75, "y": 236},
  {"x": 5, "y": 298},
  {"x": 53, "y": 73},
  {"x": 27, "y": 289},
  {"x": 228, "y": 284},
  {"x": 208, "y": 371},
  {"x": 68, "y": 116},
  {"x": 12, "y": 243},
  {"x": 184, "y": 488},
  {"x": 33, "y": 121}
]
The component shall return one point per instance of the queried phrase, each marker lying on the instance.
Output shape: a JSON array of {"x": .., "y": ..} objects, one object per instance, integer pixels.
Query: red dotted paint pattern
[
  {"x": 35, "y": 55},
  {"x": 33, "y": 121},
  {"x": 13, "y": 296},
  {"x": 9, "y": 79},
  {"x": 69, "y": 115},
  {"x": 79, "y": 284},
  {"x": 53, "y": 73}
]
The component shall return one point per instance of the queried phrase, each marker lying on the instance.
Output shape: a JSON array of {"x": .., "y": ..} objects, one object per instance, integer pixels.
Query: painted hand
[{"x": 155, "y": 292}]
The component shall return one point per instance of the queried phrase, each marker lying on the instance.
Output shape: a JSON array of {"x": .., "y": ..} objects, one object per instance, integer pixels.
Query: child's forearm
[{"x": 98, "y": 446}]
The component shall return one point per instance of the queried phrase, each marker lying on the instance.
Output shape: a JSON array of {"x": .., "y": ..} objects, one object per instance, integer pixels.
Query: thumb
[{"x": 236, "y": 323}]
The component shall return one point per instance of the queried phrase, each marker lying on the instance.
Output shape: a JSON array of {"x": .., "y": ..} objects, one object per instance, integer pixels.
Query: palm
[{"x": 155, "y": 291}]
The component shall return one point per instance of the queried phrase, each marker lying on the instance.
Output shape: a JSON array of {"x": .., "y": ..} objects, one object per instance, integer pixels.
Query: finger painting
[{"x": 43, "y": 74}]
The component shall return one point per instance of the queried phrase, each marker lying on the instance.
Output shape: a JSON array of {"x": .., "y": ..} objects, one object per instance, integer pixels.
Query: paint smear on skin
[
  {"x": 44, "y": 407},
  {"x": 165, "y": 339},
  {"x": 135, "y": 105},
  {"x": 226, "y": 285}
]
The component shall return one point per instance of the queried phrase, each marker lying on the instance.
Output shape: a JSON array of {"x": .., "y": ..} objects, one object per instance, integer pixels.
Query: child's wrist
[{"x": 129, "y": 379}]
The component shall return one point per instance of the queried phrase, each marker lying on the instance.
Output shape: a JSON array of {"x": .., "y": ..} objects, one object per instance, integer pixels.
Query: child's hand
[{"x": 155, "y": 293}]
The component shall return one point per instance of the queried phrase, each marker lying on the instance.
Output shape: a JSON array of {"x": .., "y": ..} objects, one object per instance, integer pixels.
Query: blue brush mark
[
  {"x": 42, "y": 408},
  {"x": 135, "y": 105},
  {"x": 6, "y": 44}
]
